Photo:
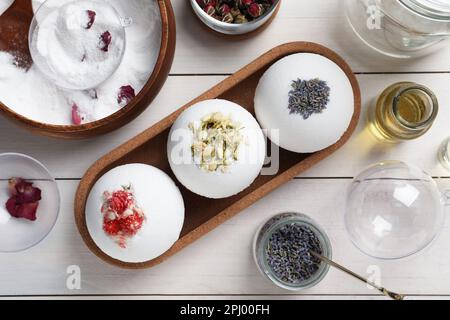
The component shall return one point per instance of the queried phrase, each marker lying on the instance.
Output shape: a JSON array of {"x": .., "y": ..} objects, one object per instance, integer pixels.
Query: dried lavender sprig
[{"x": 308, "y": 97}]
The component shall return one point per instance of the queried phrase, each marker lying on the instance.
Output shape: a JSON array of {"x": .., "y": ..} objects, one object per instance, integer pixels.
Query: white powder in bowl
[
  {"x": 79, "y": 45},
  {"x": 30, "y": 94}
]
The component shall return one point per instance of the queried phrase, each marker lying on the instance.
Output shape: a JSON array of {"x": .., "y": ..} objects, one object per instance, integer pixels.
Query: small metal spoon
[{"x": 385, "y": 292}]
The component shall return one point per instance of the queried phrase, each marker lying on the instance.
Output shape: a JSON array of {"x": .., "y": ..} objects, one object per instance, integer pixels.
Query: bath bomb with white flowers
[{"x": 216, "y": 148}]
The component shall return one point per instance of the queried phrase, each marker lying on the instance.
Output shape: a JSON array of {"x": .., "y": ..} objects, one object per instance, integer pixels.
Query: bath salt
[
  {"x": 79, "y": 45},
  {"x": 30, "y": 94}
]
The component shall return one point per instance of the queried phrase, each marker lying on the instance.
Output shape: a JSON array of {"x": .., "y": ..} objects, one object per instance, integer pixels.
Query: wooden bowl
[
  {"x": 202, "y": 214},
  {"x": 126, "y": 114}
]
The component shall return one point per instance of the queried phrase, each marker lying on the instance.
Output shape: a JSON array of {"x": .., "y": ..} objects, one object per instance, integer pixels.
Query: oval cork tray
[
  {"x": 18, "y": 17},
  {"x": 202, "y": 214}
]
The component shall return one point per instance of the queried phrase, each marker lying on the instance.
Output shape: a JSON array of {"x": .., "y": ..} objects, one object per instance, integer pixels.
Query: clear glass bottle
[
  {"x": 400, "y": 28},
  {"x": 403, "y": 111}
]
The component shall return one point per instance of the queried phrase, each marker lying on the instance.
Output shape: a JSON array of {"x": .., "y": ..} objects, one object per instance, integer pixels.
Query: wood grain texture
[
  {"x": 221, "y": 263},
  {"x": 202, "y": 214},
  {"x": 117, "y": 119}
]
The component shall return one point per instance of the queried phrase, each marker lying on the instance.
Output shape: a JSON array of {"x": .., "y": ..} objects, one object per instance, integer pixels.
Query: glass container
[
  {"x": 20, "y": 234},
  {"x": 394, "y": 210},
  {"x": 263, "y": 236},
  {"x": 400, "y": 28},
  {"x": 403, "y": 111}
]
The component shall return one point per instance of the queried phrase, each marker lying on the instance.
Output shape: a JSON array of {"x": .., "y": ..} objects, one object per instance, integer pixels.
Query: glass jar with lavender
[
  {"x": 401, "y": 28},
  {"x": 282, "y": 251}
]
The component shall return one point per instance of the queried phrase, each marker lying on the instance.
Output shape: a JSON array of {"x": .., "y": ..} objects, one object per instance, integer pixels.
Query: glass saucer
[{"x": 21, "y": 234}]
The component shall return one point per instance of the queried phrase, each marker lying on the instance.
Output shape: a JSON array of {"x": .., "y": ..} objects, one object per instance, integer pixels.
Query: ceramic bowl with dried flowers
[{"x": 235, "y": 17}]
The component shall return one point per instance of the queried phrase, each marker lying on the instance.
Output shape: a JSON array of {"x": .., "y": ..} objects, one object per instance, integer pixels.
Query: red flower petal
[
  {"x": 105, "y": 41},
  {"x": 24, "y": 199},
  {"x": 12, "y": 183},
  {"x": 29, "y": 194},
  {"x": 76, "y": 117},
  {"x": 24, "y": 210},
  {"x": 28, "y": 211}
]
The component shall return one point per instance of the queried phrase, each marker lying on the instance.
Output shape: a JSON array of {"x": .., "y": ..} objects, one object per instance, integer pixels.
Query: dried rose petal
[
  {"x": 111, "y": 227},
  {"x": 126, "y": 94},
  {"x": 224, "y": 9},
  {"x": 255, "y": 10},
  {"x": 105, "y": 41},
  {"x": 27, "y": 193},
  {"x": 210, "y": 9},
  {"x": 245, "y": 3},
  {"x": 24, "y": 199},
  {"x": 12, "y": 186},
  {"x": 28, "y": 210},
  {"x": 76, "y": 117},
  {"x": 91, "y": 16}
]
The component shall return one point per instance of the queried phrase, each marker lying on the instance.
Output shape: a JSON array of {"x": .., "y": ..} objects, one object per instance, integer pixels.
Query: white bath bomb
[
  {"x": 160, "y": 200},
  {"x": 297, "y": 134},
  {"x": 239, "y": 174}
]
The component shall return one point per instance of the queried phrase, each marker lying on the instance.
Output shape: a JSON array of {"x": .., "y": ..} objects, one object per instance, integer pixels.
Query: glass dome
[{"x": 393, "y": 210}]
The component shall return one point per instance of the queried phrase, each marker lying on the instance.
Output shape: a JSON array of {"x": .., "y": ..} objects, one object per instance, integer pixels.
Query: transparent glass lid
[
  {"x": 393, "y": 210},
  {"x": 439, "y": 9}
]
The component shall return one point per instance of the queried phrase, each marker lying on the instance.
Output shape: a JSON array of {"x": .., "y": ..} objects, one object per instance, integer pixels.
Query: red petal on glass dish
[{"x": 126, "y": 94}]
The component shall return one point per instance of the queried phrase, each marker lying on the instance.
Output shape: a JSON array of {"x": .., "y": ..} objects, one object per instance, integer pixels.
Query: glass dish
[
  {"x": 393, "y": 210},
  {"x": 264, "y": 234},
  {"x": 230, "y": 28},
  {"x": 47, "y": 8},
  {"x": 20, "y": 234},
  {"x": 400, "y": 28}
]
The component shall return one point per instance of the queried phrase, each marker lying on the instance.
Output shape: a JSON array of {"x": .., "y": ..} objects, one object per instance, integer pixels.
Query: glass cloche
[{"x": 393, "y": 210}]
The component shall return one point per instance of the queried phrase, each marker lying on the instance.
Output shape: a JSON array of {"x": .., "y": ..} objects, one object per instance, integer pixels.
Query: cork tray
[{"x": 202, "y": 214}]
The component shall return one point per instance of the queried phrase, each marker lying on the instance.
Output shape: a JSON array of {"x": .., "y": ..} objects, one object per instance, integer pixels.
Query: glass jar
[
  {"x": 444, "y": 154},
  {"x": 266, "y": 231},
  {"x": 403, "y": 111},
  {"x": 400, "y": 28}
]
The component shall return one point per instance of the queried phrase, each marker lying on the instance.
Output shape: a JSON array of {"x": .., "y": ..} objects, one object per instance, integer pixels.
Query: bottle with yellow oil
[{"x": 403, "y": 111}]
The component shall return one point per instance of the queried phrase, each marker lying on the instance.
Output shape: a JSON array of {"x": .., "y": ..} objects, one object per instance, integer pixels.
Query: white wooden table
[{"x": 220, "y": 264}]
